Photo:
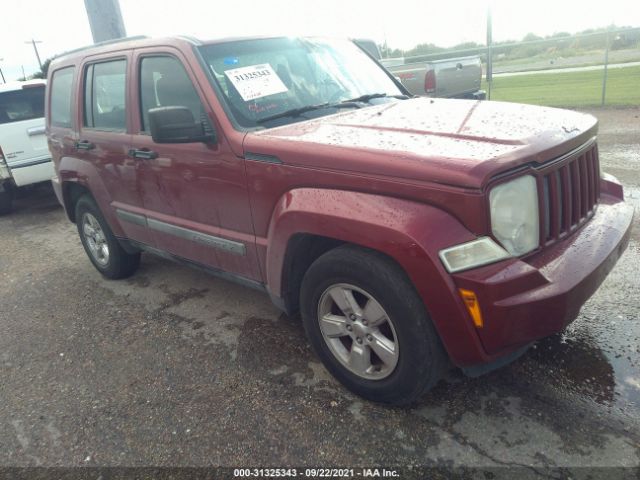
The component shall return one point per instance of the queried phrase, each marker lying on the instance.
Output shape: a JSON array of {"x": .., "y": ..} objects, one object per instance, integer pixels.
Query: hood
[{"x": 454, "y": 142}]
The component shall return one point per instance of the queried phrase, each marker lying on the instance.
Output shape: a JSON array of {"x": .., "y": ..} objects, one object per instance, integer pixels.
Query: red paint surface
[{"x": 406, "y": 178}]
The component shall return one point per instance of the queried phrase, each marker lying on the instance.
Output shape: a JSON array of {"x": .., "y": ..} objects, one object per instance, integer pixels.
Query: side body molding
[
  {"x": 411, "y": 233},
  {"x": 212, "y": 241}
]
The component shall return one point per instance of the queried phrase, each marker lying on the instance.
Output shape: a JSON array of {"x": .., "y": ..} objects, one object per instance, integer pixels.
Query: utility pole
[
  {"x": 489, "y": 52},
  {"x": 35, "y": 49},
  {"x": 606, "y": 66},
  {"x": 105, "y": 20}
]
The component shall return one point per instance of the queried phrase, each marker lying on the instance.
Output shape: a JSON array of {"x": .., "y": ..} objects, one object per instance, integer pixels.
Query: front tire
[
  {"x": 102, "y": 247},
  {"x": 369, "y": 327}
]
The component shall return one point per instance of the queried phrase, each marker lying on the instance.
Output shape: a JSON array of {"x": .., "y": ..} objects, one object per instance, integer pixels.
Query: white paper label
[{"x": 256, "y": 81}]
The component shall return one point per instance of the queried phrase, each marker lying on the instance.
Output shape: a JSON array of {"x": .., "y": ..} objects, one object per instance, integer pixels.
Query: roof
[
  {"x": 122, "y": 44},
  {"x": 12, "y": 86},
  {"x": 144, "y": 41}
]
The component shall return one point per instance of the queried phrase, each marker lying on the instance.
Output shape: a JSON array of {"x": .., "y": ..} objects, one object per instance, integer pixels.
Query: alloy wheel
[
  {"x": 95, "y": 239},
  {"x": 358, "y": 331}
]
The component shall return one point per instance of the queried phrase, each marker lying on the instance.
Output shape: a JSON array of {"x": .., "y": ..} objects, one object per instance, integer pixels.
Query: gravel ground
[{"x": 174, "y": 367}]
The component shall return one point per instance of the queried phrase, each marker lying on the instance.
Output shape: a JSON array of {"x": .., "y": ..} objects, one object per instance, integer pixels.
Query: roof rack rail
[
  {"x": 106, "y": 42},
  {"x": 190, "y": 39}
]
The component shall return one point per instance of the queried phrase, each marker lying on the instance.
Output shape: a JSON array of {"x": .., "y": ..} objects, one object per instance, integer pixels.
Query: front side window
[
  {"x": 61, "y": 84},
  {"x": 262, "y": 78},
  {"x": 164, "y": 83},
  {"x": 104, "y": 96}
]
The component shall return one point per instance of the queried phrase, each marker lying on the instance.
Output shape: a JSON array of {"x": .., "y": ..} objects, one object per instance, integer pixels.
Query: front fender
[{"x": 411, "y": 233}]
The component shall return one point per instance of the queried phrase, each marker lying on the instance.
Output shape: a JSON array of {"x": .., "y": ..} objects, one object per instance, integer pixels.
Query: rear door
[
  {"x": 195, "y": 194},
  {"x": 22, "y": 134},
  {"x": 103, "y": 141}
]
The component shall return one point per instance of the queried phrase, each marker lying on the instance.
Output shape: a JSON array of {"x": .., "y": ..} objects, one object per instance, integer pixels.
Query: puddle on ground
[{"x": 597, "y": 356}]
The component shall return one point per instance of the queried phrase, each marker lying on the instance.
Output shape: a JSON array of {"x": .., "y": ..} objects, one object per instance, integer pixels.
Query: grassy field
[
  {"x": 554, "y": 59},
  {"x": 571, "y": 89}
]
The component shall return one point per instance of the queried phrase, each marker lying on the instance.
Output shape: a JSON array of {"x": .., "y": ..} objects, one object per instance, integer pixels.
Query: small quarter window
[
  {"x": 61, "y": 84},
  {"x": 104, "y": 96}
]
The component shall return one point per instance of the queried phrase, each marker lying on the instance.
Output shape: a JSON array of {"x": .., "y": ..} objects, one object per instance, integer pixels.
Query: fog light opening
[{"x": 471, "y": 301}]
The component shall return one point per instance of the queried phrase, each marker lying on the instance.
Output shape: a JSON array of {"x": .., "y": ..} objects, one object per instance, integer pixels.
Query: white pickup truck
[
  {"x": 24, "y": 154},
  {"x": 450, "y": 78}
]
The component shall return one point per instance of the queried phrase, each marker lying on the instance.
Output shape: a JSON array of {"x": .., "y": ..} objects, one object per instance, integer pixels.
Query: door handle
[
  {"x": 35, "y": 131},
  {"x": 84, "y": 145},
  {"x": 143, "y": 153}
]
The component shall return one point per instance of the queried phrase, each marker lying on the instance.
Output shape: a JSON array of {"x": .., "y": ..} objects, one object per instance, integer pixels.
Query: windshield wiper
[
  {"x": 296, "y": 112},
  {"x": 370, "y": 96}
]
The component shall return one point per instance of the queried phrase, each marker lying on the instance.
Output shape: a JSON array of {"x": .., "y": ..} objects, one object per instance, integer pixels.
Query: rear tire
[
  {"x": 6, "y": 201},
  {"x": 101, "y": 245},
  {"x": 384, "y": 346}
]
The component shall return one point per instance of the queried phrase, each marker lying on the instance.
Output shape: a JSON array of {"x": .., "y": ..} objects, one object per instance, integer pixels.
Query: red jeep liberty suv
[{"x": 409, "y": 232}]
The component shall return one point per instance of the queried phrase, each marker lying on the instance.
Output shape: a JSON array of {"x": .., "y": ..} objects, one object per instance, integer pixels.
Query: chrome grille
[{"x": 570, "y": 190}]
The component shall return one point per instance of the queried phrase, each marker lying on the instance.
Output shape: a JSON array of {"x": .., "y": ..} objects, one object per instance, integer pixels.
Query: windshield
[{"x": 260, "y": 79}]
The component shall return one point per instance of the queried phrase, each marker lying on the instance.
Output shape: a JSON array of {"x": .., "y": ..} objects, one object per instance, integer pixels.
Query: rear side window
[
  {"x": 164, "y": 83},
  {"x": 24, "y": 104},
  {"x": 104, "y": 96},
  {"x": 61, "y": 84}
]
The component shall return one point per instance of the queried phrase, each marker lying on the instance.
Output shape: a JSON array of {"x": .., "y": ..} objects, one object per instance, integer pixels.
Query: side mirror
[{"x": 176, "y": 125}]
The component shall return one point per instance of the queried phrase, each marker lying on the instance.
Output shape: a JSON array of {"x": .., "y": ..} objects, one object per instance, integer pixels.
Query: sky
[{"x": 62, "y": 24}]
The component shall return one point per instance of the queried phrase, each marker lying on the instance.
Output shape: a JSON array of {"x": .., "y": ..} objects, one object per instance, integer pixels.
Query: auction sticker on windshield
[{"x": 256, "y": 81}]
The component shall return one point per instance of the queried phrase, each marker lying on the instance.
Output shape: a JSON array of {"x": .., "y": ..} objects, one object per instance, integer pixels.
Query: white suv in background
[{"x": 24, "y": 154}]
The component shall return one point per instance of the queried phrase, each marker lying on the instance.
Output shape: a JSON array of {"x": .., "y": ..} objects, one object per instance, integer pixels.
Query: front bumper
[{"x": 524, "y": 300}]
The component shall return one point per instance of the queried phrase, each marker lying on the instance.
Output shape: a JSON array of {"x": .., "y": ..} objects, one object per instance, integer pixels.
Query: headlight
[
  {"x": 514, "y": 215},
  {"x": 476, "y": 253}
]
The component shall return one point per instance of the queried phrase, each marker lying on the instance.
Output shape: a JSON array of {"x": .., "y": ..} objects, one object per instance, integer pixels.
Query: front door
[{"x": 195, "y": 194}]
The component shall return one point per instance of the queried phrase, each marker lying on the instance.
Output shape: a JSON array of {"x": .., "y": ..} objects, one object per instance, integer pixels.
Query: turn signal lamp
[
  {"x": 471, "y": 301},
  {"x": 476, "y": 253}
]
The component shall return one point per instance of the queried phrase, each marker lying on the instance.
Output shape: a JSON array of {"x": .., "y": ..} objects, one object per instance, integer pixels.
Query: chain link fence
[{"x": 583, "y": 70}]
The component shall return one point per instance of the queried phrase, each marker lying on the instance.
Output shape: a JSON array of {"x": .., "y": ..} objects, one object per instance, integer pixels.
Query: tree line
[{"x": 560, "y": 43}]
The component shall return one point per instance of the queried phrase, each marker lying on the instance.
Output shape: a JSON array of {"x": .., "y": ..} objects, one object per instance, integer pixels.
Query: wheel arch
[
  {"x": 307, "y": 222},
  {"x": 78, "y": 177},
  {"x": 71, "y": 193},
  {"x": 302, "y": 250}
]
